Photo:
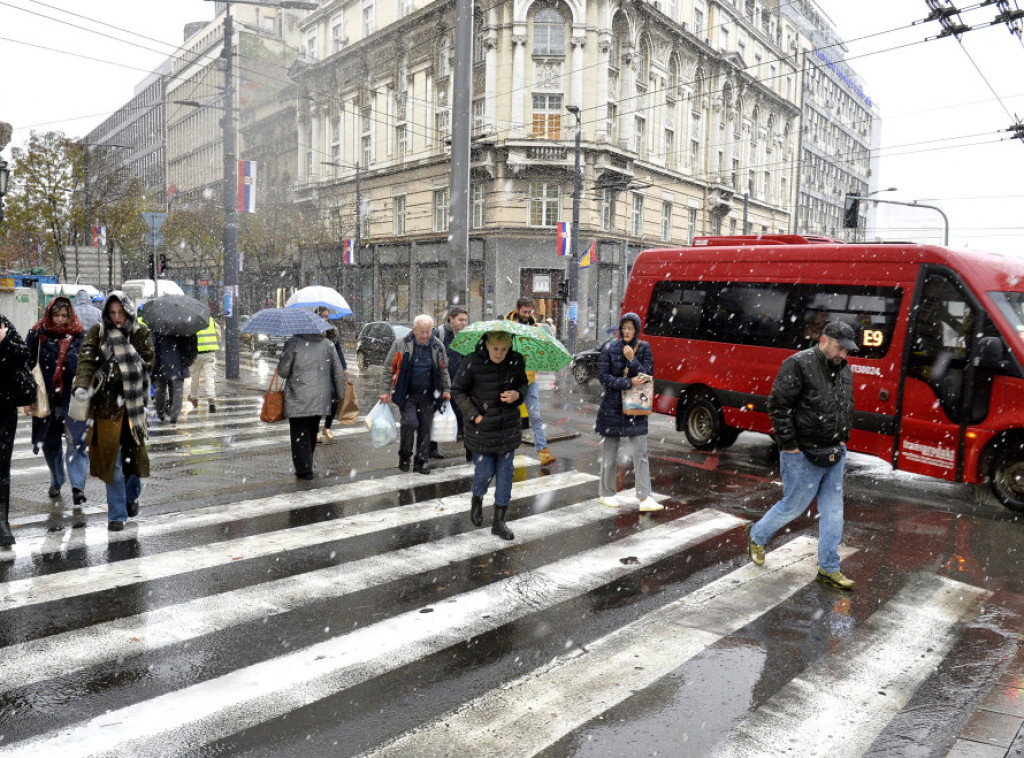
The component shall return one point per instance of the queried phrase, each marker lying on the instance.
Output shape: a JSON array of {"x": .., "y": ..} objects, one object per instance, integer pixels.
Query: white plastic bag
[
  {"x": 370, "y": 416},
  {"x": 446, "y": 426},
  {"x": 385, "y": 430}
]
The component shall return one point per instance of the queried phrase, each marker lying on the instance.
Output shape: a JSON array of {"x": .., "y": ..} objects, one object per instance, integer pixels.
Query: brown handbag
[
  {"x": 638, "y": 400},
  {"x": 348, "y": 409},
  {"x": 273, "y": 401}
]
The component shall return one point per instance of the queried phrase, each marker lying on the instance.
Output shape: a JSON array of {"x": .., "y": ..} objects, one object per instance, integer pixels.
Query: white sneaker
[
  {"x": 650, "y": 504},
  {"x": 611, "y": 501}
]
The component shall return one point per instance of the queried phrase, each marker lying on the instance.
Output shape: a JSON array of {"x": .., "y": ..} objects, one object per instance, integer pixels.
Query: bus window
[
  {"x": 871, "y": 311},
  {"x": 750, "y": 314},
  {"x": 942, "y": 325},
  {"x": 675, "y": 310},
  {"x": 1011, "y": 305}
]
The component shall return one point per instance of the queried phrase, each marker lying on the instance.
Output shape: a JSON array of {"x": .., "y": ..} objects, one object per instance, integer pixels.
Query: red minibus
[{"x": 938, "y": 385}]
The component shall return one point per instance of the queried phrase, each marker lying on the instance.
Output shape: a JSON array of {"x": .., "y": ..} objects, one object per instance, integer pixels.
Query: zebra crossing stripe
[
  {"x": 842, "y": 702},
  {"x": 25, "y": 592},
  {"x": 36, "y": 660},
  {"x": 218, "y": 515},
  {"x": 536, "y": 710},
  {"x": 197, "y": 715}
]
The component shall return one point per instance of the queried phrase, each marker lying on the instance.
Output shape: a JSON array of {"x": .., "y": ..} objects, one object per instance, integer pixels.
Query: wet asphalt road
[{"x": 246, "y": 614}]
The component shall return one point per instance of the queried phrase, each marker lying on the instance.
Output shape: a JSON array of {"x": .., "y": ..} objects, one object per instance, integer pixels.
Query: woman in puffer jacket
[
  {"x": 619, "y": 367},
  {"x": 488, "y": 389}
]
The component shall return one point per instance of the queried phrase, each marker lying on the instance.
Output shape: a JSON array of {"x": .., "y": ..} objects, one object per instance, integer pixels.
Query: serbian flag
[
  {"x": 350, "y": 253},
  {"x": 563, "y": 238},
  {"x": 99, "y": 235},
  {"x": 247, "y": 186},
  {"x": 590, "y": 256}
]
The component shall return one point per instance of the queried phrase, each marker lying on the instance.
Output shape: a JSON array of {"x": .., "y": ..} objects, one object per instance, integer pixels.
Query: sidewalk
[{"x": 996, "y": 730}]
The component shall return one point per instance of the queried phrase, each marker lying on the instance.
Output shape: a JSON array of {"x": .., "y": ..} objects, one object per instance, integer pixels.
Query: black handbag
[{"x": 825, "y": 457}]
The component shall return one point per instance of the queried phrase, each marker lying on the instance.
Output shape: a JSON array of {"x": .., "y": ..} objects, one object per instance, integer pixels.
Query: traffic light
[
  {"x": 851, "y": 213},
  {"x": 164, "y": 268},
  {"x": 563, "y": 290}
]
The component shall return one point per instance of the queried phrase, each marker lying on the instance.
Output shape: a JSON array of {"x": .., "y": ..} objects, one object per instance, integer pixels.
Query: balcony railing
[{"x": 547, "y": 153}]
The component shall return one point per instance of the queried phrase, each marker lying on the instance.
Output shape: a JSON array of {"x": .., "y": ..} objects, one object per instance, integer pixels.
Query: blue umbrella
[{"x": 285, "y": 322}]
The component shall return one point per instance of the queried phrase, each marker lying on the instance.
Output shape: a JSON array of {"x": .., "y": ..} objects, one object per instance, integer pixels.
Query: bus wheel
[
  {"x": 702, "y": 423},
  {"x": 1008, "y": 476}
]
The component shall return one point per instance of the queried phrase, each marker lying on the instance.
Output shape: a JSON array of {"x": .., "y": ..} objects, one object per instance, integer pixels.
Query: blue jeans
[
  {"x": 801, "y": 482},
  {"x": 489, "y": 466},
  {"x": 532, "y": 402},
  {"x": 76, "y": 453},
  {"x": 121, "y": 492}
]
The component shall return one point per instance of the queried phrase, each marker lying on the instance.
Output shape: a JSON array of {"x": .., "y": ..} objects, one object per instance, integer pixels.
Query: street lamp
[
  {"x": 577, "y": 186},
  {"x": 357, "y": 252},
  {"x": 228, "y": 137}
]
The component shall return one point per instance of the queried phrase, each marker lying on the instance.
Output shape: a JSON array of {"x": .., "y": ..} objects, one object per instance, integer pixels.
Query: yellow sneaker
[
  {"x": 755, "y": 551},
  {"x": 546, "y": 458},
  {"x": 836, "y": 579}
]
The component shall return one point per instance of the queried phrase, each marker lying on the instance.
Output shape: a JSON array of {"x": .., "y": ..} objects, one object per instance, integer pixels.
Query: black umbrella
[{"x": 176, "y": 315}]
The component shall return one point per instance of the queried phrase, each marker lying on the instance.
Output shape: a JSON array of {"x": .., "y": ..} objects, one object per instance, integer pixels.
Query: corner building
[{"x": 689, "y": 120}]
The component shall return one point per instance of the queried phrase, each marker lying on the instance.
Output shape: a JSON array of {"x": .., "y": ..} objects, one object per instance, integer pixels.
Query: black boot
[
  {"x": 498, "y": 525},
  {"x": 6, "y": 537},
  {"x": 476, "y": 511}
]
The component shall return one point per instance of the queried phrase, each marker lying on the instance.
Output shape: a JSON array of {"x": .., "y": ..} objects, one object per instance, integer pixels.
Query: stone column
[
  {"x": 518, "y": 126},
  {"x": 490, "y": 80},
  {"x": 604, "y": 44},
  {"x": 577, "y": 41}
]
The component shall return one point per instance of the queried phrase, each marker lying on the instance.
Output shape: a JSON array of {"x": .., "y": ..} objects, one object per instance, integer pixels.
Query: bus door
[{"x": 941, "y": 393}]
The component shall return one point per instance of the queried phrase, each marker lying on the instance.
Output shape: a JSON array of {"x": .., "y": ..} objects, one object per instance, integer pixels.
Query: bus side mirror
[{"x": 991, "y": 354}]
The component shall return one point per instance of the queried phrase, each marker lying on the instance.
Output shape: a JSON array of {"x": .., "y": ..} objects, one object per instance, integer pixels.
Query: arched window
[{"x": 548, "y": 32}]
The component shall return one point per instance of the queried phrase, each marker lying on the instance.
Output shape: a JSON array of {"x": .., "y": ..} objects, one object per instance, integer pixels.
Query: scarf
[
  {"x": 134, "y": 386},
  {"x": 46, "y": 328}
]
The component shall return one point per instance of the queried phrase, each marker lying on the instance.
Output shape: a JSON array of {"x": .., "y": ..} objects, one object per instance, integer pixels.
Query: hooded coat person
[
  {"x": 55, "y": 347},
  {"x": 88, "y": 313},
  {"x": 116, "y": 363}
]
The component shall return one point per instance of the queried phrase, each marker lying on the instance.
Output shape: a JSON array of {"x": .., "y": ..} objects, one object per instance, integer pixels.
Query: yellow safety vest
[{"x": 208, "y": 338}]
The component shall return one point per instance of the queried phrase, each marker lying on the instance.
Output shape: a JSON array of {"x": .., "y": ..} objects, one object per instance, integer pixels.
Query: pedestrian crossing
[{"x": 370, "y": 618}]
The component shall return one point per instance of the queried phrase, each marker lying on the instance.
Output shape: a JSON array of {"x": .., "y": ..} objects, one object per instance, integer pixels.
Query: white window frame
[
  {"x": 337, "y": 32},
  {"x": 636, "y": 216},
  {"x": 399, "y": 208},
  {"x": 666, "y": 221},
  {"x": 440, "y": 206},
  {"x": 545, "y": 200},
  {"x": 478, "y": 200},
  {"x": 607, "y": 209},
  {"x": 369, "y": 18}
]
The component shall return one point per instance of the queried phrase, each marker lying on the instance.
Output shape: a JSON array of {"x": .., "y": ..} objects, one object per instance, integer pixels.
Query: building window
[
  {"x": 441, "y": 129},
  {"x": 368, "y": 18},
  {"x": 547, "y": 117},
  {"x": 403, "y": 8},
  {"x": 337, "y": 33},
  {"x": 636, "y": 221},
  {"x": 367, "y": 150},
  {"x": 401, "y": 140},
  {"x": 607, "y": 209},
  {"x": 548, "y": 33},
  {"x": 441, "y": 210},
  {"x": 444, "y": 66},
  {"x": 479, "y": 115},
  {"x": 670, "y": 148},
  {"x": 399, "y": 215},
  {"x": 639, "y": 134},
  {"x": 691, "y": 225},
  {"x": 613, "y": 119},
  {"x": 364, "y": 219},
  {"x": 544, "y": 202},
  {"x": 477, "y": 215},
  {"x": 311, "y": 47},
  {"x": 666, "y": 222},
  {"x": 698, "y": 21}
]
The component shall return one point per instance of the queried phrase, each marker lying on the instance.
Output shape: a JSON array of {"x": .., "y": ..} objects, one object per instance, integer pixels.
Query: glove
[{"x": 81, "y": 394}]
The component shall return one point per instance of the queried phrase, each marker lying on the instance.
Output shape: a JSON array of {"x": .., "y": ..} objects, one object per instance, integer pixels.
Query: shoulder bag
[
  {"x": 638, "y": 400},
  {"x": 41, "y": 407},
  {"x": 273, "y": 401}
]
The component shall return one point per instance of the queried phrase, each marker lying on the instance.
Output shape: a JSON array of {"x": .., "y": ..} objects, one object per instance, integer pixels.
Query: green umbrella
[{"x": 541, "y": 351}]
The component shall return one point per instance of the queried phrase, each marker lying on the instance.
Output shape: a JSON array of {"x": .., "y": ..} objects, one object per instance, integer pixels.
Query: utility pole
[
  {"x": 230, "y": 236},
  {"x": 357, "y": 250},
  {"x": 458, "y": 200},
  {"x": 574, "y": 239}
]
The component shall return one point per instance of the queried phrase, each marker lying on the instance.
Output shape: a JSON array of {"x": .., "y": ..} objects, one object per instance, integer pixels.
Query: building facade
[
  {"x": 840, "y": 128},
  {"x": 689, "y": 118}
]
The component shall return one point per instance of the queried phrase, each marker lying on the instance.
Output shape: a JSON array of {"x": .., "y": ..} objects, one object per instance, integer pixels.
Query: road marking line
[
  {"x": 64, "y": 653},
  {"x": 538, "y": 709},
  {"x": 197, "y": 715},
  {"x": 50, "y": 587}
]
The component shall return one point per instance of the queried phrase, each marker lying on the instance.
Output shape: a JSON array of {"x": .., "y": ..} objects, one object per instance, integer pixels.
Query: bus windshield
[{"x": 1011, "y": 305}]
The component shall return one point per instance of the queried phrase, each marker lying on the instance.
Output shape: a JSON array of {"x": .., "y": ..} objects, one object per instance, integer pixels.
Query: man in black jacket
[
  {"x": 811, "y": 406},
  {"x": 458, "y": 317}
]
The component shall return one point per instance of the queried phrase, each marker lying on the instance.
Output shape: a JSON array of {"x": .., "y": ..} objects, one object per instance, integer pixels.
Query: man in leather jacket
[{"x": 811, "y": 406}]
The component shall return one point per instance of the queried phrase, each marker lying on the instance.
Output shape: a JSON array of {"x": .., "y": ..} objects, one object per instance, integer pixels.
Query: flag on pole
[
  {"x": 563, "y": 238},
  {"x": 99, "y": 235},
  {"x": 590, "y": 256},
  {"x": 247, "y": 186},
  {"x": 350, "y": 253}
]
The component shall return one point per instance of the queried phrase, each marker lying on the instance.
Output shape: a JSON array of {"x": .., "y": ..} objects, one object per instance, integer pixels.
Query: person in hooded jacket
[
  {"x": 619, "y": 367},
  {"x": 54, "y": 343},
  {"x": 13, "y": 355},
  {"x": 114, "y": 365},
  {"x": 310, "y": 364},
  {"x": 489, "y": 388},
  {"x": 88, "y": 313}
]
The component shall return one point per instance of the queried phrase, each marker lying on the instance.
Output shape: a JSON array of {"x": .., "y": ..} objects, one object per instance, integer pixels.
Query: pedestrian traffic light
[
  {"x": 851, "y": 212},
  {"x": 563, "y": 290},
  {"x": 164, "y": 268}
]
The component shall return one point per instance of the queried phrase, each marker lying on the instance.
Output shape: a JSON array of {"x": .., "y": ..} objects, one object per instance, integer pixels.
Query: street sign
[
  {"x": 155, "y": 239},
  {"x": 154, "y": 220}
]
